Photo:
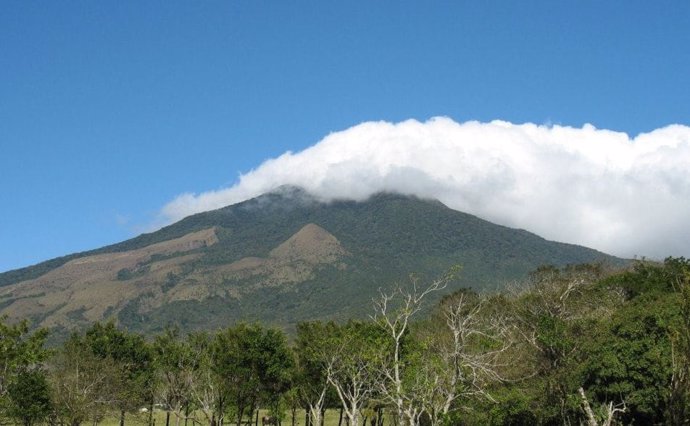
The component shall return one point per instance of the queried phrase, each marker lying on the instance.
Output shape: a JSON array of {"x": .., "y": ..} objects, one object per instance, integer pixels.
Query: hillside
[{"x": 279, "y": 258}]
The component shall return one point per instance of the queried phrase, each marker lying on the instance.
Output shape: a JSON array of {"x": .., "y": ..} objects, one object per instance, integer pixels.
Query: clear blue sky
[{"x": 108, "y": 110}]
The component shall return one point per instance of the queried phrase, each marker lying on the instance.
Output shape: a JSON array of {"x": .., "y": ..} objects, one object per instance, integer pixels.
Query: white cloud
[{"x": 599, "y": 188}]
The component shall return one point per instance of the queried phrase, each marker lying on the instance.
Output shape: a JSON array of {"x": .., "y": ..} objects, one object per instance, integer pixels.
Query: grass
[{"x": 331, "y": 419}]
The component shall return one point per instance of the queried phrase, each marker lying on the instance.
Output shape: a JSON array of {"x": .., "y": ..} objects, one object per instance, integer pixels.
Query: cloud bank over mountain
[{"x": 595, "y": 187}]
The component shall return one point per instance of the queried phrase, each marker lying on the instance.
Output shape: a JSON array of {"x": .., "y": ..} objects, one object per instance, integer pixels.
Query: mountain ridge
[{"x": 237, "y": 263}]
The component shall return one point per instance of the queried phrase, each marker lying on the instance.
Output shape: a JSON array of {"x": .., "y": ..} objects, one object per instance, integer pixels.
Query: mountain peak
[
  {"x": 290, "y": 191},
  {"x": 285, "y": 257}
]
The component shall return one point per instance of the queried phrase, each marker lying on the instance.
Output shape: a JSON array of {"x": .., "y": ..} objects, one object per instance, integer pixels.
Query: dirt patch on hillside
[
  {"x": 292, "y": 261},
  {"x": 91, "y": 285},
  {"x": 97, "y": 287}
]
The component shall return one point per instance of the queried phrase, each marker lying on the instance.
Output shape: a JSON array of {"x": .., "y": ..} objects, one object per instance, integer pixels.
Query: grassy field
[{"x": 331, "y": 419}]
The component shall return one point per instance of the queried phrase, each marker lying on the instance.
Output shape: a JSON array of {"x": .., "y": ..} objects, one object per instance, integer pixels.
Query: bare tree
[
  {"x": 175, "y": 364},
  {"x": 465, "y": 357},
  {"x": 353, "y": 367},
  {"x": 316, "y": 405},
  {"x": 558, "y": 294},
  {"x": 393, "y": 313},
  {"x": 609, "y": 411},
  {"x": 84, "y": 385},
  {"x": 458, "y": 360},
  {"x": 313, "y": 353},
  {"x": 544, "y": 312},
  {"x": 203, "y": 384}
]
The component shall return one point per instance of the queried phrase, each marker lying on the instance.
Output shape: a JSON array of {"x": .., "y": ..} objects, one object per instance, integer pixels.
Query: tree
[
  {"x": 22, "y": 354},
  {"x": 20, "y": 350},
  {"x": 205, "y": 388},
  {"x": 313, "y": 354},
  {"x": 638, "y": 355},
  {"x": 85, "y": 386},
  {"x": 133, "y": 360},
  {"x": 463, "y": 350},
  {"x": 678, "y": 411},
  {"x": 553, "y": 314},
  {"x": 607, "y": 413},
  {"x": 254, "y": 364},
  {"x": 354, "y": 365},
  {"x": 29, "y": 397},
  {"x": 395, "y": 322},
  {"x": 175, "y": 369}
]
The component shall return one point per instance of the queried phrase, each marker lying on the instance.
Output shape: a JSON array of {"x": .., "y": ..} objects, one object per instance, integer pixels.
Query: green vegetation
[
  {"x": 382, "y": 240},
  {"x": 572, "y": 345},
  {"x": 386, "y": 237}
]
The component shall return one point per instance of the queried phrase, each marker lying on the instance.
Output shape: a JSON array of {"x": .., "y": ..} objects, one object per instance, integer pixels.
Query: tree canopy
[{"x": 581, "y": 344}]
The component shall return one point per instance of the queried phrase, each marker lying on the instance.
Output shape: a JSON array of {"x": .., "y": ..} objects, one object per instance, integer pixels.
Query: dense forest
[{"x": 583, "y": 344}]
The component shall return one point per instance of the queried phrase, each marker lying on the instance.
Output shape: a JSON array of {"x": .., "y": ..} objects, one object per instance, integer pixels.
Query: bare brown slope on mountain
[
  {"x": 97, "y": 287},
  {"x": 90, "y": 286},
  {"x": 293, "y": 261}
]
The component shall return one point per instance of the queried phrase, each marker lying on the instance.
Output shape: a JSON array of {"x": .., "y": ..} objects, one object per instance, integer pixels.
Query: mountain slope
[{"x": 280, "y": 258}]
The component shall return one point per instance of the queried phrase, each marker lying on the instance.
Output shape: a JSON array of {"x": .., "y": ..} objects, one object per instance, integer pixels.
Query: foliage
[
  {"x": 678, "y": 407},
  {"x": 571, "y": 345},
  {"x": 84, "y": 386},
  {"x": 353, "y": 369},
  {"x": 254, "y": 365},
  {"x": 29, "y": 397},
  {"x": 387, "y": 237},
  {"x": 630, "y": 360},
  {"x": 22, "y": 354},
  {"x": 312, "y": 355},
  {"x": 174, "y": 365},
  {"x": 133, "y": 359}
]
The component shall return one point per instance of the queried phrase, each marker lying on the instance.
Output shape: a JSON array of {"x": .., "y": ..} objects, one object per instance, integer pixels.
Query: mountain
[{"x": 280, "y": 258}]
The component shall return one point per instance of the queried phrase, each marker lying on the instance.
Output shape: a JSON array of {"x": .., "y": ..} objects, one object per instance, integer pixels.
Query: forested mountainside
[{"x": 280, "y": 258}]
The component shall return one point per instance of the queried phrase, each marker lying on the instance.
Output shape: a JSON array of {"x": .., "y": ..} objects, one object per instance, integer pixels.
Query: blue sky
[{"x": 110, "y": 110}]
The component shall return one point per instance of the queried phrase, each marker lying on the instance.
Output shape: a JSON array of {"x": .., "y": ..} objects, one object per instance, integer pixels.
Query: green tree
[
  {"x": 133, "y": 358},
  {"x": 254, "y": 365},
  {"x": 393, "y": 314},
  {"x": 678, "y": 404},
  {"x": 555, "y": 313},
  {"x": 630, "y": 360},
  {"x": 460, "y": 356},
  {"x": 206, "y": 389},
  {"x": 639, "y": 355},
  {"x": 84, "y": 386},
  {"x": 175, "y": 365},
  {"x": 29, "y": 397},
  {"x": 20, "y": 350},
  {"x": 22, "y": 353},
  {"x": 353, "y": 369},
  {"x": 312, "y": 353}
]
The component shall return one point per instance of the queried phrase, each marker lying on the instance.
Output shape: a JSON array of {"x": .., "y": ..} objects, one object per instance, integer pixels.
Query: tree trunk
[
  {"x": 151, "y": 412},
  {"x": 122, "y": 417},
  {"x": 340, "y": 420},
  {"x": 167, "y": 418},
  {"x": 591, "y": 419}
]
